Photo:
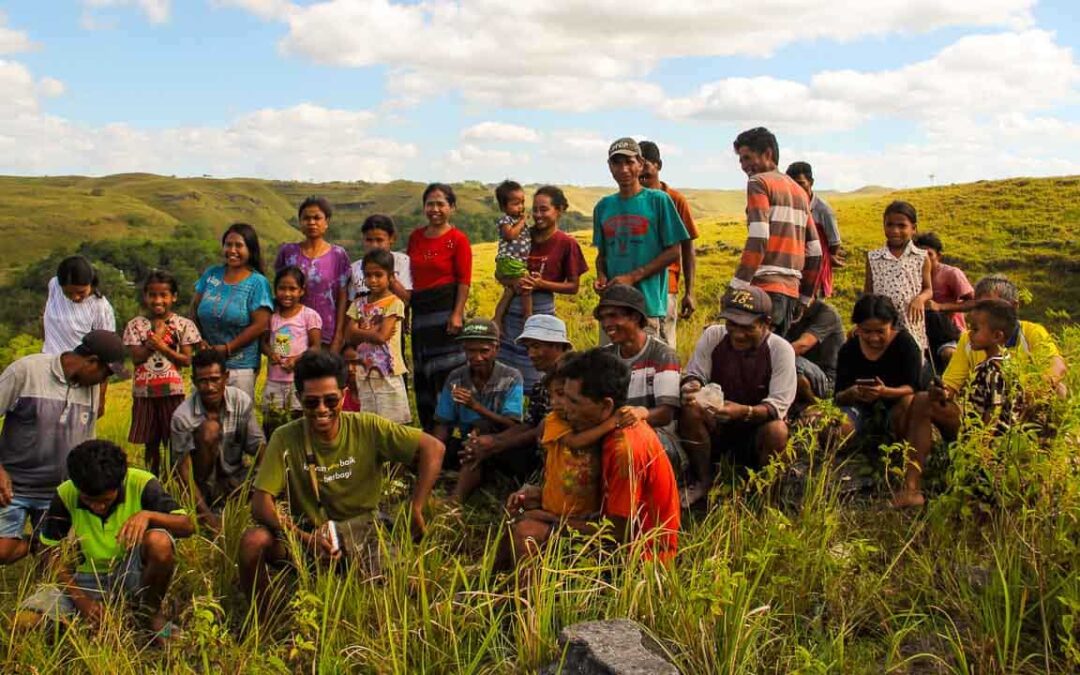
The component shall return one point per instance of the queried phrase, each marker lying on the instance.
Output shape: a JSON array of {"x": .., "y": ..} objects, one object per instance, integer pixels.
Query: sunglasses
[{"x": 331, "y": 401}]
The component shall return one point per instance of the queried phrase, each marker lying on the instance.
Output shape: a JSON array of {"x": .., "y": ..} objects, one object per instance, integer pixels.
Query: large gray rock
[{"x": 616, "y": 647}]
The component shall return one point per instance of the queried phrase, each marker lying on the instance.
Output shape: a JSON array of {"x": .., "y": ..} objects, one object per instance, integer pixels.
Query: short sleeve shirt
[
  {"x": 225, "y": 311},
  {"x": 240, "y": 430},
  {"x": 632, "y": 232},
  {"x": 571, "y": 477},
  {"x": 823, "y": 322},
  {"x": 66, "y": 322},
  {"x": 503, "y": 394},
  {"x": 1031, "y": 343},
  {"x": 437, "y": 261},
  {"x": 158, "y": 376},
  {"x": 558, "y": 258},
  {"x": 639, "y": 485},
  {"x": 289, "y": 337},
  {"x": 348, "y": 469},
  {"x": 385, "y": 358},
  {"x": 900, "y": 364},
  {"x": 326, "y": 276},
  {"x": 654, "y": 375},
  {"x": 950, "y": 285}
]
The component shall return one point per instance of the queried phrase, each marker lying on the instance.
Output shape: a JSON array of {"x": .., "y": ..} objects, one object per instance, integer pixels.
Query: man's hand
[
  {"x": 462, "y": 396},
  {"x": 728, "y": 412},
  {"x": 600, "y": 283},
  {"x": 477, "y": 448},
  {"x": 7, "y": 493},
  {"x": 528, "y": 497},
  {"x": 624, "y": 279},
  {"x": 324, "y": 547},
  {"x": 689, "y": 392},
  {"x": 132, "y": 531},
  {"x": 688, "y": 306},
  {"x": 838, "y": 257},
  {"x": 630, "y": 415}
]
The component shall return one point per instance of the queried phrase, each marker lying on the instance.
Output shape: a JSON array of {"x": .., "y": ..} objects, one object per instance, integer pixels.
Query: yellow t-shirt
[
  {"x": 386, "y": 359},
  {"x": 571, "y": 478},
  {"x": 1034, "y": 343}
]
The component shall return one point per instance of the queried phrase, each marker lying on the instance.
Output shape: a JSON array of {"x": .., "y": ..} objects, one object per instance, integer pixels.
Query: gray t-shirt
[
  {"x": 823, "y": 322},
  {"x": 44, "y": 418},
  {"x": 654, "y": 375}
]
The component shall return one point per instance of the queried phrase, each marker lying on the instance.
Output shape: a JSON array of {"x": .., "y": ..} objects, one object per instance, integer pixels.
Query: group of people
[{"x": 623, "y": 433}]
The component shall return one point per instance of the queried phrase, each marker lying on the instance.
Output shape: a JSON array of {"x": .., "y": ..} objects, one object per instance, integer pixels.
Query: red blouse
[{"x": 446, "y": 259}]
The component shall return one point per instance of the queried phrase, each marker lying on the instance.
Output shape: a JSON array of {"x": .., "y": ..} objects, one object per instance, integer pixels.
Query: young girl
[
  {"x": 161, "y": 344},
  {"x": 901, "y": 271},
  {"x": 325, "y": 265},
  {"x": 350, "y": 403},
  {"x": 75, "y": 306},
  {"x": 515, "y": 242},
  {"x": 294, "y": 328},
  {"x": 375, "y": 329}
]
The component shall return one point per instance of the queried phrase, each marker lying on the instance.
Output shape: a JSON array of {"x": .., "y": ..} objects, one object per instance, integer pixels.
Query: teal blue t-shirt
[
  {"x": 631, "y": 232},
  {"x": 225, "y": 311}
]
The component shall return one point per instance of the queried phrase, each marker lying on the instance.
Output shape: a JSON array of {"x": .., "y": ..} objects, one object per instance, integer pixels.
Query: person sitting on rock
[
  {"x": 211, "y": 432},
  {"x": 328, "y": 465},
  {"x": 653, "y": 396},
  {"x": 755, "y": 368},
  {"x": 481, "y": 396}
]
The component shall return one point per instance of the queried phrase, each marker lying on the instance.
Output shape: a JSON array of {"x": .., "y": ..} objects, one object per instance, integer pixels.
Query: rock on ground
[{"x": 615, "y": 647}]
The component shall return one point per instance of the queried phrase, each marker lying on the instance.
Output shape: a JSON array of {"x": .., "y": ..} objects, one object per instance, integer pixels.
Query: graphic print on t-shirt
[
  {"x": 283, "y": 339},
  {"x": 625, "y": 229}
]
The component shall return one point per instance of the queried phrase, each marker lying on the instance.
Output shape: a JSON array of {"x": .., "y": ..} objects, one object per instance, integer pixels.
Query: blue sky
[{"x": 890, "y": 93}]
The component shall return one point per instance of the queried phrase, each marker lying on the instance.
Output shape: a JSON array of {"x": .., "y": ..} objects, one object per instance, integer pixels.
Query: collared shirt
[
  {"x": 44, "y": 417},
  {"x": 504, "y": 394},
  {"x": 99, "y": 551},
  {"x": 240, "y": 429},
  {"x": 901, "y": 280}
]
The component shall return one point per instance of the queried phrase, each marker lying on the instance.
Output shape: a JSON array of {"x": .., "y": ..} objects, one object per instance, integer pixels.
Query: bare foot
[
  {"x": 694, "y": 493},
  {"x": 906, "y": 499}
]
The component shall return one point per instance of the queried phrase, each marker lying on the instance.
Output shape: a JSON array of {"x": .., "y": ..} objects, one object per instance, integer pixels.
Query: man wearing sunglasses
[{"x": 328, "y": 465}]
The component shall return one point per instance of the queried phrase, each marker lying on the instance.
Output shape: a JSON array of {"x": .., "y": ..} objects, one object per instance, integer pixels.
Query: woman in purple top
[{"x": 325, "y": 265}]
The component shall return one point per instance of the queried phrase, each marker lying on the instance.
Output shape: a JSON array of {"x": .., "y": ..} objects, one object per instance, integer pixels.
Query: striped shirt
[
  {"x": 654, "y": 375},
  {"x": 782, "y": 253},
  {"x": 66, "y": 322}
]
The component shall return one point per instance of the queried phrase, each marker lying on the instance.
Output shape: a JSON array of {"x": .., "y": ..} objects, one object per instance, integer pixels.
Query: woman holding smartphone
[{"x": 878, "y": 370}]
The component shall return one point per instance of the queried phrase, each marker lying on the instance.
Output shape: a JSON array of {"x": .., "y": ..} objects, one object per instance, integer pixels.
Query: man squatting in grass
[
  {"x": 481, "y": 396},
  {"x": 545, "y": 338},
  {"x": 651, "y": 165},
  {"x": 123, "y": 522},
  {"x": 50, "y": 403},
  {"x": 211, "y": 432},
  {"x": 755, "y": 367},
  {"x": 329, "y": 465},
  {"x": 637, "y": 233},
  {"x": 782, "y": 254}
]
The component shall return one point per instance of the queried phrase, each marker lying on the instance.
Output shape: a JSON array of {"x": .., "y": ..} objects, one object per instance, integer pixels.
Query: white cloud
[
  {"x": 975, "y": 76},
  {"x": 579, "y": 144},
  {"x": 580, "y": 55},
  {"x": 472, "y": 157},
  {"x": 500, "y": 131},
  {"x": 156, "y": 11},
  {"x": 13, "y": 41}
]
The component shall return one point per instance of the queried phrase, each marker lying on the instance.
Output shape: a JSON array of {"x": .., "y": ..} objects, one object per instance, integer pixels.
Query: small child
[
  {"x": 294, "y": 328},
  {"x": 375, "y": 329},
  {"x": 124, "y": 524},
  {"x": 352, "y": 360},
  {"x": 901, "y": 271},
  {"x": 161, "y": 344},
  {"x": 380, "y": 234},
  {"x": 515, "y": 242},
  {"x": 994, "y": 395}
]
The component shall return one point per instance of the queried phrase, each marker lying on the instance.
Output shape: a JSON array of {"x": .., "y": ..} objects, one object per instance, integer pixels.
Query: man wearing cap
[
  {"x": 638, "y": 234},
  {"x": 544, "y": 337},
  {"x": 481, "y": 396},
  {"x": 650, "y": 178},
  {"x": 50, "y": 404},
  {"x": 782, "y": 254},
  {"x": 653, "y": 395},
  {"x": 210, "y": 433},
  {"x": 756, "y": 370}
]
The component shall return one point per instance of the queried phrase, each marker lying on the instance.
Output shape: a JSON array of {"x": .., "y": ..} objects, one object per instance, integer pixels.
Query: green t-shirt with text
[{"x": 348, "y": 469}]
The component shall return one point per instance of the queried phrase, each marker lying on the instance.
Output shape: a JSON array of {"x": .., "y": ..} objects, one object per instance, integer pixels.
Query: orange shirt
[
  {"x": 571, "y": 478},
  {"x": 639, "y": 485},
  {"x": 683, "y": 208}
]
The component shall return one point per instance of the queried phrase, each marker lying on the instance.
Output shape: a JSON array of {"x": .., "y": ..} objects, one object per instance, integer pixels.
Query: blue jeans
[
  {"x": 819, "y": 382},
  {"x": 13, "y": 517}
]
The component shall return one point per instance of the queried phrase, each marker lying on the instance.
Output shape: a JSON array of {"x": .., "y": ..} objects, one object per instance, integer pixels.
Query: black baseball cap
[
  {"x": 744, "y": 306},
  {"x": 107, "y": 346},
  {"x": 621, "y": 295}
]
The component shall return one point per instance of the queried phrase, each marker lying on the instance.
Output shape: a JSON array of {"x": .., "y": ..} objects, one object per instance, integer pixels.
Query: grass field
[{"x": 983, "y": 581}]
